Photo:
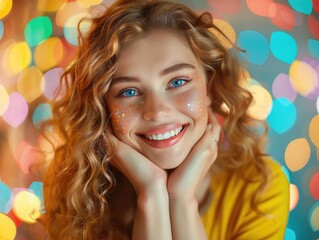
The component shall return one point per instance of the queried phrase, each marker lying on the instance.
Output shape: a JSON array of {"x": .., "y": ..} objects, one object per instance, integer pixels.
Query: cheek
[
  {"x": 194, "y": 104},
  {"x": 121, "y": 117}
]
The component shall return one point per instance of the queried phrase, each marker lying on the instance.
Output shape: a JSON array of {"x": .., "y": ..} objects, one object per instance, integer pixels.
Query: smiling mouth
[
  {"x": 165, "y": 139},
  {"x": 164, "y": 136}
]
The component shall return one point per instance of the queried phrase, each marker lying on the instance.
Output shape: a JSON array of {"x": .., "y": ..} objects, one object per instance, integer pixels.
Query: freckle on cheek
[
  {"x": 195, "y": 106},
  {"x": 120, "y": 118}
]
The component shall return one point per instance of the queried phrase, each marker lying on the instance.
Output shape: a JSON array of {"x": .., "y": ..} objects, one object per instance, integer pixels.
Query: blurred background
[{"x": 38, "y": 39}]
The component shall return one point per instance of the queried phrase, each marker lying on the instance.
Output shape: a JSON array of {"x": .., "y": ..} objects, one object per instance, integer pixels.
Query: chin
[{"x": 167, "y": 163}]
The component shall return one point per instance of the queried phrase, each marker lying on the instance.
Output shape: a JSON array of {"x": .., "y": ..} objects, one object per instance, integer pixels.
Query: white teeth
[{"x": 165, "y": 135}]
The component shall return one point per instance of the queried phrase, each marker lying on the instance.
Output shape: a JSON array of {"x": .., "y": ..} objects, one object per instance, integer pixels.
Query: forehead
[{"x": 154, "y": 51}]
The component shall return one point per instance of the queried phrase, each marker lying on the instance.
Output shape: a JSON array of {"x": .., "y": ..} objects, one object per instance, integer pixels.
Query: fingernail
[{"x": 209, "y": 126}]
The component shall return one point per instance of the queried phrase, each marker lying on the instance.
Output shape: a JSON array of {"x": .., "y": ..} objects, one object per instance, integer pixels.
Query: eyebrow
[
  {"x": 164, "y": 72},
  {"x": 175, "y": 68}
]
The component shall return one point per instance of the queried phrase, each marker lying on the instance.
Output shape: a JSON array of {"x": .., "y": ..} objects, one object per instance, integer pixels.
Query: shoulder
[
  {"x": 278, "y": 180},
  {"x": 251, "y": 176},
  {"x": 276, "y": 169},
  {"x": 248, "y": 186},
  {"x": 249, "y": 206}
]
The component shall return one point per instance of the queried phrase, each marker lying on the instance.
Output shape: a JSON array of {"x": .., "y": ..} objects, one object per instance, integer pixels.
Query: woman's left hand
[{"x": 185, "y": 180}]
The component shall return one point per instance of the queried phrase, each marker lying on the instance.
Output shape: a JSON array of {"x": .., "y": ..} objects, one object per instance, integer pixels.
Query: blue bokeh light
[
  {"x": 302, "y": 6},
  {"x": 283, "y": 46},
  {"x": 5, "y": 197},
  {"x": 1, "y": 29},
  {"x": 37, "y": 189},
  {"x": 41, "y": 113},
  {"x": 283, "y": 115},
  {"x": 290, "y": 234},
  {"x": 313, "y": 48},
  {"x": 256, "y": 46}
]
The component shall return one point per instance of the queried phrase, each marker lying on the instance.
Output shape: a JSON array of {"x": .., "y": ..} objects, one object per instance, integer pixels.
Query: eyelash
[
  {"x": 183, "y": 79},
  {"x": 121, "y": 93}
]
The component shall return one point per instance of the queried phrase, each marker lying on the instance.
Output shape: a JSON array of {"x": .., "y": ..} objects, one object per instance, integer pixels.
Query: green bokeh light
[{"x": 37, "y": 30}]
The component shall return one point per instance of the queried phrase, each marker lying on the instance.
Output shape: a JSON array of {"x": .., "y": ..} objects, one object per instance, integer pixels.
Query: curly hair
[{"x": 80, "y": 181}]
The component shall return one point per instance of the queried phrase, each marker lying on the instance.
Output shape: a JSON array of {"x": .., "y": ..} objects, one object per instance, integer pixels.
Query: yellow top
[{"x": 230, "y": 215}]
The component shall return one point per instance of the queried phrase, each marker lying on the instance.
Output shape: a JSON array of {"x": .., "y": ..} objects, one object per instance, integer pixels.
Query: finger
[{"x": 216, "y": 128}]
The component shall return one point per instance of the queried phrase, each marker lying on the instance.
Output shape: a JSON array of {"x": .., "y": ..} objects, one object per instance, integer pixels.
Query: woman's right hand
[
  {"x": 152, "y": 219},
  {"x": 143, "y": 174}
]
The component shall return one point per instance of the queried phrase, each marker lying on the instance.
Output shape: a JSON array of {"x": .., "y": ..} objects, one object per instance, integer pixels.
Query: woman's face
[{"x": 158, "y": 98}]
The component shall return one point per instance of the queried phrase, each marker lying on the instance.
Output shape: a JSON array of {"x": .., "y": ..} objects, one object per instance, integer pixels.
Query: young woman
[{"x": 154, "y": 137}]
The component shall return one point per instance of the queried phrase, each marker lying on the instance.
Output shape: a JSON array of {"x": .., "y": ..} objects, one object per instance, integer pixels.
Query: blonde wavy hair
[{"x": 80, "y": 187}]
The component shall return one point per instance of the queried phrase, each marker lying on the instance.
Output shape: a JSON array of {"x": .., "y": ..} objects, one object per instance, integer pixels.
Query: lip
[{"x": 165, "y": 142}]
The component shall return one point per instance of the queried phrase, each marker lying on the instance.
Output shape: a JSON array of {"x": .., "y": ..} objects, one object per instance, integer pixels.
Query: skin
[
  {"x": 159, "y": 102},
  {"x": 167, "y": 201}
]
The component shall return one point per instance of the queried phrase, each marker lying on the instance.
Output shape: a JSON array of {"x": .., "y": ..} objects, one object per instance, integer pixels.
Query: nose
[{"x": 155, "y": 107}]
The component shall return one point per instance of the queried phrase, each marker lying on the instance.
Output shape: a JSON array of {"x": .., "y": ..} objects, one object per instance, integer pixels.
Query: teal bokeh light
[
  {"x": 37, "y": 189},
  {"x": 303, "y": 6},
  {"x": 38, "y": 30},
  {"x": 5, "y": 196},
  {"x": 41, "y": 113},
  {"x": 313, "y": 48},
  {"x": 290, "y": 234},
  {"x": 256, "y": 46},
  {"x": 71, "y": 35},
  {"x": 286, "y": 172},
  {"x": 1, "y": 29},
  {"x": 283, "y": 115},
  {"x": 283, "y": 46}
]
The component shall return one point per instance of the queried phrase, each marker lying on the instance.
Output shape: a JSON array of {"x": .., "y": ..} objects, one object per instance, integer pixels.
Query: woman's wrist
[
  {"x": 152, "y": 218},
  {"x": 184, "y": 213},
  {"x": 180, "y": 203},
  {"x": 155, "y": 192}
]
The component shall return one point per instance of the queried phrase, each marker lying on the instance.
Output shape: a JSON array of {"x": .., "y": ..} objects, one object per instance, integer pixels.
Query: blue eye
[
  {"x": 177, "y": 83},
  {"x": 129, "y": 92}
]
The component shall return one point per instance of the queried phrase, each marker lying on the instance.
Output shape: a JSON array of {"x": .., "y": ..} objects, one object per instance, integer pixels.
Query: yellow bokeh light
[
  {"x": 50, "y": 6},
  {"x": 88, "y": 3},
  {"x": 8, "y": 229},
  {"x": 302, "y": 77},
  {"x": 72, "y": 24},
  {"x": 314, "y": 219},
  {"x": 297, "y": 154},
  {"x": 5, "y": 8},
  {"x": 48, "y": 54},
  {"x": 68, "y": 10},
  {"x": 29, "y": 83},
  {"x": 227, "y": 29},
  {"x": 4, "y": 100},
  {"x": 314, "y": 130},
  {"x": 294, "y": 197},
  {"x": 262, "y": 102},
  {"x": 19, "y": 57},
  {"x": 27, "y": 206}
]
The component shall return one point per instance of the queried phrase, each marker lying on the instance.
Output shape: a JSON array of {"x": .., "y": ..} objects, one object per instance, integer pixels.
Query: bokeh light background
[{"x": 38, "y": 39}]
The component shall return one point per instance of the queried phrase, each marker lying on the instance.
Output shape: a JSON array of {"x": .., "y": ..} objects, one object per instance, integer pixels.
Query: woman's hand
[
  {"x": 186, "y": 180},
  {"x": 152, "y": 218},
  {"x": 140, "y": 171}
]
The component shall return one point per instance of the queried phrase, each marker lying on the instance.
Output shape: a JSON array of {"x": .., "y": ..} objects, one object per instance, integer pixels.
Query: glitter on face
[{"x": 159, "y": 103}]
